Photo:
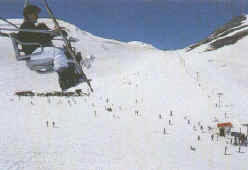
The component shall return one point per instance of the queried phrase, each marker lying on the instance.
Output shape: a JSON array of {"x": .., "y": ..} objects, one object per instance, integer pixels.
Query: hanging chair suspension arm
[
  {"x": 28, "y": 30},
  {"x": 10, "y": 23}
]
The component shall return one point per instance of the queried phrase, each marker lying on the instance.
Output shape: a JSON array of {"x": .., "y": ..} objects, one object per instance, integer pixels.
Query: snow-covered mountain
[
  {"x": 220, "y": 61},
  {"x": 228, "y": 34},
  {"x": 146, "y": 111}
]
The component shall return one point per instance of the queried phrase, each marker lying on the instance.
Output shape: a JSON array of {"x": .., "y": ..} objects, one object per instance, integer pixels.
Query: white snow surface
[
  {"x": 141, "y": 85},
  {"x": 138, "y": 43}
]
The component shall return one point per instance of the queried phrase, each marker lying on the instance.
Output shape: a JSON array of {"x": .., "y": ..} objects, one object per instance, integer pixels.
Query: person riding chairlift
[{"x": 61, "y": 61}]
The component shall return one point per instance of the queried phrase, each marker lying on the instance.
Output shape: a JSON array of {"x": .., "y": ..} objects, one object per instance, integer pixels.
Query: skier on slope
[{"x": 59, "y": 58}]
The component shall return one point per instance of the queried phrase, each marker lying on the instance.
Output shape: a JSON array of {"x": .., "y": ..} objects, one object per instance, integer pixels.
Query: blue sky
[{"x": 166, "y": 24}]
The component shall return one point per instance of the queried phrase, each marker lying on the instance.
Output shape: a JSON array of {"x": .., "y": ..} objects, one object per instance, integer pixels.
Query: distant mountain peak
[{"x": 229, "y": 33}]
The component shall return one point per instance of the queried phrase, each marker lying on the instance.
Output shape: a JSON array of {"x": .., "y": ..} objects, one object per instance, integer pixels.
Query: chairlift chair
[
  {"x": 41, "y": 66},
  {"x": 46, "y": 65}
]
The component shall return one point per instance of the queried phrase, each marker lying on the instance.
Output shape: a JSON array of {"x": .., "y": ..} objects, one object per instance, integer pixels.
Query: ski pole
[{"x": 66, "y": 42}]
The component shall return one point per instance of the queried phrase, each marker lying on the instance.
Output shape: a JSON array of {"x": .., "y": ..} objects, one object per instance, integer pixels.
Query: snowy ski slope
[{"x": 126, "y": 123}]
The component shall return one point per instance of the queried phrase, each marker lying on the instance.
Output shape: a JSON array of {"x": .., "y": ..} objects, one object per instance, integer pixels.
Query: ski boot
[{"x": 69, "y": 78}]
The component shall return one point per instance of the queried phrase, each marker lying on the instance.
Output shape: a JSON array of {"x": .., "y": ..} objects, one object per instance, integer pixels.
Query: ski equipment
[{"x": 67, "y": 45}]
